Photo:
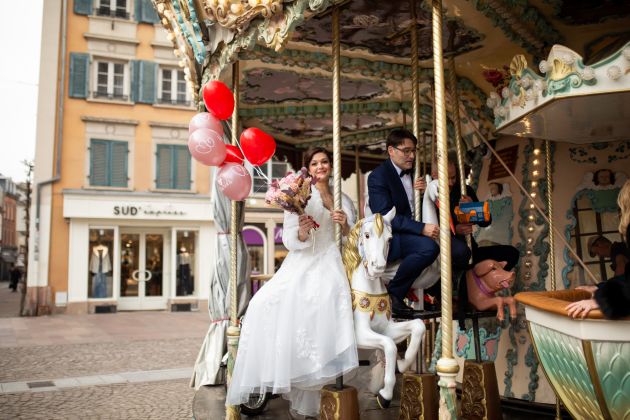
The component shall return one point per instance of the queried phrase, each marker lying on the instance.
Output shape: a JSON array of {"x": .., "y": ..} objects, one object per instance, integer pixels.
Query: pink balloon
[
  {"x": 207, "y": 147},
  {"x": 234, "y": 181},
  {"x": 205, "y": 120}
]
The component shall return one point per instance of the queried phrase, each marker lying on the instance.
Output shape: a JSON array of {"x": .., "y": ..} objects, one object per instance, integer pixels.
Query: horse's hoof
[{"x": 382, "y": 402}]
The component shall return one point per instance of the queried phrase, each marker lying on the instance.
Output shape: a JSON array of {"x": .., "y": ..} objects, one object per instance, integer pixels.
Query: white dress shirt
[{"x": 408, "y": 185}]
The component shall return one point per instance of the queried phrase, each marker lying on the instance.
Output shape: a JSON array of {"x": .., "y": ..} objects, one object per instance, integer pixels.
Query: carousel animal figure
[
  {"x": 365, "y": 260},
  {"x": 484, "y": 280}
]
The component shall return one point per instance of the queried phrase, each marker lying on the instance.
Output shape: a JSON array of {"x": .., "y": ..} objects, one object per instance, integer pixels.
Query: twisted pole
[
  {"x": 447, "y": 367},
  {"x": 415, "y": 104},
  {"x": 232, "y": 412}
]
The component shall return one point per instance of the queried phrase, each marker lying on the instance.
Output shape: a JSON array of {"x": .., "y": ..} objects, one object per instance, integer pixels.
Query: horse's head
[{"x": 368, "y": 242}]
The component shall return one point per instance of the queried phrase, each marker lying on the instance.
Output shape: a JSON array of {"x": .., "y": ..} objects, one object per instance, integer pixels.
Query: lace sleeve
[{"x": 290, "y": 233}]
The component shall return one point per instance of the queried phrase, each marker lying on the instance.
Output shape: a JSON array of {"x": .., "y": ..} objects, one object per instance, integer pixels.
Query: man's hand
[
  {"x": 465, "y": 199},
  {"x": 431, "y": 231},
  {"x": 420, "y": 185},
  {"x": 464, "y": 229}
]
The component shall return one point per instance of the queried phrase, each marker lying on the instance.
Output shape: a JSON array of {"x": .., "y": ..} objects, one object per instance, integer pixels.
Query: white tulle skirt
[{"x": 298, "y": 332}]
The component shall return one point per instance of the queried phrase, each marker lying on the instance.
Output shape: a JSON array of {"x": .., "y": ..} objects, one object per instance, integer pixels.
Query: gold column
[
  {"x": 415, "y": 103},
  {"x": 336, "y": 56},
  {"x": 552, "y": 259},
  {"x": 447, "y": 367},
  {"x": 232, "y": 412},
  {"x": 357, "y": 170}
]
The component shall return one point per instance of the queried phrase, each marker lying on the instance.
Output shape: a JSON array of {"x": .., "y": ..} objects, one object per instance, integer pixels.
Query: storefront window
[
  {"x": 255, "y": 242},
  {"x": 185, "y": 262},
  {"x": 101, "y": 248}
]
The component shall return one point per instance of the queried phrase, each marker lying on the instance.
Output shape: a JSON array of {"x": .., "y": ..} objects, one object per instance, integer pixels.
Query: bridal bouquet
[{"x": 290, "y": 193}]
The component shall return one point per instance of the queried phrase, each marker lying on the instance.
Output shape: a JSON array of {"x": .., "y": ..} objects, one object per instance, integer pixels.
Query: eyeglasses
[{"x": 406, "y": 152}]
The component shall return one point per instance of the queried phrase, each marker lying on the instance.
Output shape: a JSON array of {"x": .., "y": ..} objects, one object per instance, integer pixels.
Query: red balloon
[
  {"x": 257, "y": 146},
  {"x": 233, "y": 154},
  {"x": 219, "y": 99},
  {"x": 234, "y": 181}
]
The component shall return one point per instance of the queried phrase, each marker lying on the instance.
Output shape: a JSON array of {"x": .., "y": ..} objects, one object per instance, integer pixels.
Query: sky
[{"x": 19, "y": 75}]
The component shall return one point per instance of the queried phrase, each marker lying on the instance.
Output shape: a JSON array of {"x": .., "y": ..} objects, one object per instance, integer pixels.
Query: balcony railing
[
  {"x": 111, "y": 96},
  {"x": 116, "y": 13},
  {"x": 173, "y": 101}
]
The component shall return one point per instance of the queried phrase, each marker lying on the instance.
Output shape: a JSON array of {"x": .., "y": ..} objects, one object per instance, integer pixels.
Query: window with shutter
[
  {"x": 145, "y": 12},
  {"x": 111, "y": 80},
  {"x": 113, "y": 8},
  {"x": 173, "y": 167},
  {"x": 164, "y": 173},
  {"x": 98, "y": 163},
  {"x": 83, "y": 7},
  {"x": 108, "y": 163},
  {"x": 173, "y": 89},
  {"x": 146, "y": 83},
  {"x": 182, "y": 168},
  {"x": 78, "y": 84}
]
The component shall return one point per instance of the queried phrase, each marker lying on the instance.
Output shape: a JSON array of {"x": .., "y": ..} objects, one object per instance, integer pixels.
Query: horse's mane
[{"x": 350, "y": 255}]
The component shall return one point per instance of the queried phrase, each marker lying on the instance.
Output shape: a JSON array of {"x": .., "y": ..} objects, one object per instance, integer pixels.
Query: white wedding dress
[{"x": 298, "y": 331}]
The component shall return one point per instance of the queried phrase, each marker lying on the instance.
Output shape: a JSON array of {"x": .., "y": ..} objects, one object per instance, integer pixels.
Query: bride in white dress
[{"x": 298, "y": 332}]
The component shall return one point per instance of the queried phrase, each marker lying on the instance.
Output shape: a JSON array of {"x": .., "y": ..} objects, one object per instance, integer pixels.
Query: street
[{"x": 133, "y": 365}]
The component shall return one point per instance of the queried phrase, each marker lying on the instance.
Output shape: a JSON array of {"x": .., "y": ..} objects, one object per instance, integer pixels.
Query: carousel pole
[
  {"x": 418, "y": 399},
  {"x": 233, "y": 331},
  {"x": 447, "y": 367},
  {"x": 338, "y": 401},
  {"x": 357, "y": 171},
  {"x": 552, "y": 261}
]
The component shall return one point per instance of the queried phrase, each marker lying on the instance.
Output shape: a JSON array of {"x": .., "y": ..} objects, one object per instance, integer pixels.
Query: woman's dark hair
[
  {"x": 596, "y": 176},
  {"x": 397, "y": 136},
  {"x": 499, "y": 187},
  {"x": 312, "y": 151}
]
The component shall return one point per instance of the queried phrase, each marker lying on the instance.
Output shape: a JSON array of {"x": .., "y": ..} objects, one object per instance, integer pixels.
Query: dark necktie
[
  {"x": 100, "y": 260},
  {"x": 405, "y": 172}
]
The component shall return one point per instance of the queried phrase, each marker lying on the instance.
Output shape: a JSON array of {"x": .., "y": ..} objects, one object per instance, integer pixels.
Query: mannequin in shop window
[
  {"x": 126, "y": 268},
  {"x": 100, "y": 265},
  {"x": 154, "y": 285},
  {"x": 184, "y": 261}
]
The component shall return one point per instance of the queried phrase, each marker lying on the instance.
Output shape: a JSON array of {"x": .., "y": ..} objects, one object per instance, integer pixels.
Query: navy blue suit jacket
[{"x": 385, "y": 190}]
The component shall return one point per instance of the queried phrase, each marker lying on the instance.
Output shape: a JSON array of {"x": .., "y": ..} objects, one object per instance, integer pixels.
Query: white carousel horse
[
  {"x": 364, "y": 258},
  {"x": 431, "y": 274}
]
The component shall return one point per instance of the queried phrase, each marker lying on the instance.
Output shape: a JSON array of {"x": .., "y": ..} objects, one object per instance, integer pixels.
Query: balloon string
[{"x": 256, "y": 169}]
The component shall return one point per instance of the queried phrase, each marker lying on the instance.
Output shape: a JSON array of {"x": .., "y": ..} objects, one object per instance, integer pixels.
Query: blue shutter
[
  {"x": 99, "y": 152},
  {"x": 164, "y": 173},
  {"x": 134, "y": 70},
  {"x": 145, "y": 12},
  {"x": 147, "y": 82},
  {"x": 83, "y": 7},
  {"x": 118, "y": 164},
  {"x": 181, "y": 166},
  {"x": 79, "y": 68}
]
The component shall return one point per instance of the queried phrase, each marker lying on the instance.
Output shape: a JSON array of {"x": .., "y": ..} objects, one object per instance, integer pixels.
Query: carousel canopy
[{"x": 284, "y": 48}]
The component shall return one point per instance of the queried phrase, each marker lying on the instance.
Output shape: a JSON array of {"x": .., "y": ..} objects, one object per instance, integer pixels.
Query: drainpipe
[{"x": 59, "y": 136}]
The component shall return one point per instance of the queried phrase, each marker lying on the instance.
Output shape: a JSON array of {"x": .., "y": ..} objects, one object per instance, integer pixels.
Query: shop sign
[{"x": 147, "y": 210}]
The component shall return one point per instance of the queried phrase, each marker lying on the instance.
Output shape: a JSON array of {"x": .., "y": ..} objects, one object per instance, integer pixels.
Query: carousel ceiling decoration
[{"x": 572, "y": 102}]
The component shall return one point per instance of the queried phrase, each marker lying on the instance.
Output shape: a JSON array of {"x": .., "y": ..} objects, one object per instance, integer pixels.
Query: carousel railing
[{"x": 586, "y": 361}]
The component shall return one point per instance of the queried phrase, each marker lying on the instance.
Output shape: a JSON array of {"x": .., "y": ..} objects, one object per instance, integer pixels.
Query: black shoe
[{"x": 400, "y": 308}]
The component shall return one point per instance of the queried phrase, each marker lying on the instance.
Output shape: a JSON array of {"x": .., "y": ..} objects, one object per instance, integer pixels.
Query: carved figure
[{"x": 484, "y": 280}]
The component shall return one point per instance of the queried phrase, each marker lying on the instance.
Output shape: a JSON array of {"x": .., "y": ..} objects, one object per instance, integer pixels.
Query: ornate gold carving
[
  {"x": 330, "y": 406},
  {"x": 473, "y": 392},
  {"x": 366, "y": 302},
  {"x": 518, "y": 64},
  {"x": 411, "y": 401},
  {"x": 350, "y": 253},
  {"x": 237, "y": 14},
  {"x": 560, "y": 69}
]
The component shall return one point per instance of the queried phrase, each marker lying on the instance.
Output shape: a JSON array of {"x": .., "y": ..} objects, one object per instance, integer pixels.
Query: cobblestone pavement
[
  {"x": 66, "y": 346},
  {"x": 9, "y": 301},
  {"x": 59, "y": 361},
  {"x": 154, "y": 400}
]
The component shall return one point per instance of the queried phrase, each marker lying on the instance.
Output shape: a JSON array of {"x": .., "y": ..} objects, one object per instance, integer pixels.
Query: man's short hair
[
  {"x": 595, "y": 241},
  {"x": 397, "y": 136}
]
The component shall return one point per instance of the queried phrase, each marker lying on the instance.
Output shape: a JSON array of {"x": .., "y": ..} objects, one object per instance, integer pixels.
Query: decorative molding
[
  {"x": 87, "y": 118},
  {"x": 467, "y": 351}
]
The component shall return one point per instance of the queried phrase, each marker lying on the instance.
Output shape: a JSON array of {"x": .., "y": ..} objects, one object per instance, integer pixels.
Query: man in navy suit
[{"x": 390, "y": 185}]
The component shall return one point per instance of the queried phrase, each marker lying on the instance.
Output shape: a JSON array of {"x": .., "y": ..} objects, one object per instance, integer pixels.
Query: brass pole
[
  {"x": 336, "y": 75},
  {"x": 415, "y": 104},
  {"x": 424, "y": 153},
  {"x": 232, "y": 412},
  {"x": 357, "y": 170},
  {"x": 452, "y": 79},
  {"x": 447, "y": 367},
  {"x": 552, "y": 261}
]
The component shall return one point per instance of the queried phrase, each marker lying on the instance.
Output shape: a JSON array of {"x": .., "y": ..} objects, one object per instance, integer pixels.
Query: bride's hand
[
  {"x": 305, "y": 225},
  {"x": 339, "y": 217}
]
